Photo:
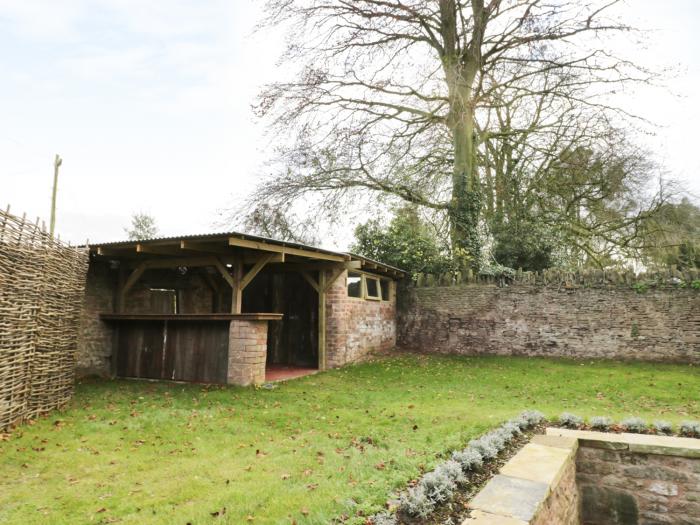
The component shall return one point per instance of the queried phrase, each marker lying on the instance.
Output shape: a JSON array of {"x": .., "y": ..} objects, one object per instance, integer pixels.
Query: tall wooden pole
[
  {"x": 56, "y": 164},
  {"x": 322, "y": 283}
]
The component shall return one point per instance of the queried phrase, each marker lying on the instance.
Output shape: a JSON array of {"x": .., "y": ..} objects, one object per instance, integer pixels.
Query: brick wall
[
  {"x": 612, "y": 321},
  {"x": 247, "y": 351},
  {"x": 355, "y": 327}
]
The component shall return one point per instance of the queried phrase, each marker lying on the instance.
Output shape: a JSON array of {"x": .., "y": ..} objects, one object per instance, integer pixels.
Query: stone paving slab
[
  {"x": 511, "y": 497},
  {"x": 479, "y": 517},
  {"x": 540, "y": 463},
  {"x": 555, "y": 441},
  {"x": 641, "y": 443}
]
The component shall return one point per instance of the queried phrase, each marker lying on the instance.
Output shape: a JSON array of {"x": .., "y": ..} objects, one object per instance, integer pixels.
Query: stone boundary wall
[
  {"x": 625, "y": 479},
  {"x": 537, "y": 486},
  {"x": 555, "y": 314},
  {"x": 668, "y": 277}
]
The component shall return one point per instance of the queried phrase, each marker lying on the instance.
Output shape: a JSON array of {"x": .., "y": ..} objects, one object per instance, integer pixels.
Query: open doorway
[{"x": 292, "y": 344}]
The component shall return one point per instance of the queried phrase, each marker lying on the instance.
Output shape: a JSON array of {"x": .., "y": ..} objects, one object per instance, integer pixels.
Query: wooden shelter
[{"x": 219, "y": 308}]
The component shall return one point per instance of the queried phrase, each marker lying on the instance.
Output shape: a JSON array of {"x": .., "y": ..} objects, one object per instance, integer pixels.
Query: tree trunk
[
  {"x": 460, "y": 67},
  {"x": 465, "y": 205}
]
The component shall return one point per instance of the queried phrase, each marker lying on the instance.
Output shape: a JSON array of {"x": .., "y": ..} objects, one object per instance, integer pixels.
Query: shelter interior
[{"x": 176, "y": 301}]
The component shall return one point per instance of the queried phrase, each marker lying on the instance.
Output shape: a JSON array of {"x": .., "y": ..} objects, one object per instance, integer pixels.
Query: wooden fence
[{"x": 42, "y": 282}]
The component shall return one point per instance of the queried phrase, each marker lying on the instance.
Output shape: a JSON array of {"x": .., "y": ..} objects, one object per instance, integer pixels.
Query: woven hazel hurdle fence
[{"x": 42, "y": 282}]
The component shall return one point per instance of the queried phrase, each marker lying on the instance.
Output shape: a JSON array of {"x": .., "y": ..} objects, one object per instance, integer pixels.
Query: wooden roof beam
[
  {"x": 159, "y": 250},
  {"x": 288, "y": 250},
  {"x": 208, "y": 247},
  {"x": 114, "y": 252}
]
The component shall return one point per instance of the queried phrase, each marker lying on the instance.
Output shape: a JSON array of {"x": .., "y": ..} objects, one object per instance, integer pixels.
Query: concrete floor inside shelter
[{"x": 283, "y": 373}]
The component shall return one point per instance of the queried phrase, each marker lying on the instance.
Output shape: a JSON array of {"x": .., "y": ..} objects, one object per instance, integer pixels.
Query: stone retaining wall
[
  {"x": 608, "y": 321},
  {"x": 630, "y": 479},
  {"x": 536, "y": 487},
  {"x": 573, "y": 477}
]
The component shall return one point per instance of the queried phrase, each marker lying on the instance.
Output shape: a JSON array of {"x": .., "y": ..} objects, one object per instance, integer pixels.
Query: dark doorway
[{"x": 294, "y": 340}]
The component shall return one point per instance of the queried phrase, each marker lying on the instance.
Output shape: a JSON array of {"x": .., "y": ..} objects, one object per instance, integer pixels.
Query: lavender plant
[
  {"x": 530, "y": 418},
  {"x": 416, "y": 503},
  {"x": 663, "y": 427},
  {"x": 469, "y": 459},
  {"x": 601, "y": 422},
  {"x": 485, "y": 447},
  {"x": 438, "y": 486},
  {"x": 690, "y": 429},
  {"x": 512, "y": 427},
  {"x": 569, "y": 420},
  {"x": 452, "y": 470},
  {"x": 634, "y": 424},
  {"x": 384, "y": 518}
]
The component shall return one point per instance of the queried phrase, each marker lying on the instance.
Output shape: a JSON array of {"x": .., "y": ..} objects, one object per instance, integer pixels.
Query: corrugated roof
[{"x": 246, "y": 236}]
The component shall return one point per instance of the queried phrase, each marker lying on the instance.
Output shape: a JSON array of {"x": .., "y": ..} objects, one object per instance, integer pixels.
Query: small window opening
[
  {"x": 372, "y": 288},
  {"x": 386, "y": 289},
  {"x": 164, "y": 301},
  {"x": 354, "y": 285}
]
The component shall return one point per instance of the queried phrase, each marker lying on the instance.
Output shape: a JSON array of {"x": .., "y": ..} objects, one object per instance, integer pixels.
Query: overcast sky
[{"x": 148, "y": 103}]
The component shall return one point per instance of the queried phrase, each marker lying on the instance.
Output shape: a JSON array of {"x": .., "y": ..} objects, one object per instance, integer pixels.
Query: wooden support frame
[
  {"x": 237, "y": 281},
  {"x": 221, "y": 267},
  {"x": 288, "y": 250},
  {"x": 334, "y": 277},
  {"x": 158, "y": 250},
  {"x": 322, "y": 285},
  {"x": 307, "y": 277},
  {"x": 259, "y": 265},
  {"x": 315, "y": 267},
  {"x": 124, "y": 288},
  {"x": 322, "y": 282},
  {"x": 204, "y": 247}
]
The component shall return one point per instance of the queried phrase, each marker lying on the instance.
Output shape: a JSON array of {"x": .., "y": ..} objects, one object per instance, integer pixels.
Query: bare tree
[
  {"x": 279, "y": 223},
  {"x": 397, "y": 97}
]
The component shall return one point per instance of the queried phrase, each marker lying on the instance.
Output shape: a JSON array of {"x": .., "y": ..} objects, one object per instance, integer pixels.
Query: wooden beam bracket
[
  {"x": 224, "y": 272},
  {"x": 134, "y": 276},
  {"x": 311, "y": 281},
  {"x": 259, "y": 265}
]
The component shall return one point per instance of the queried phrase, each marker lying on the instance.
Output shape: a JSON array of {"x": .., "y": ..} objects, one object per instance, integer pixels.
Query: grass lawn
[{"x": 306, "y": 452}]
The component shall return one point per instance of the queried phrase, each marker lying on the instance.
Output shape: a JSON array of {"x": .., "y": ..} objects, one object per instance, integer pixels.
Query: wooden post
[
  {"x": 237, "y": 290},
  {"x": 322, "y": 320},
  {"x": 56, "y": 164}
]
